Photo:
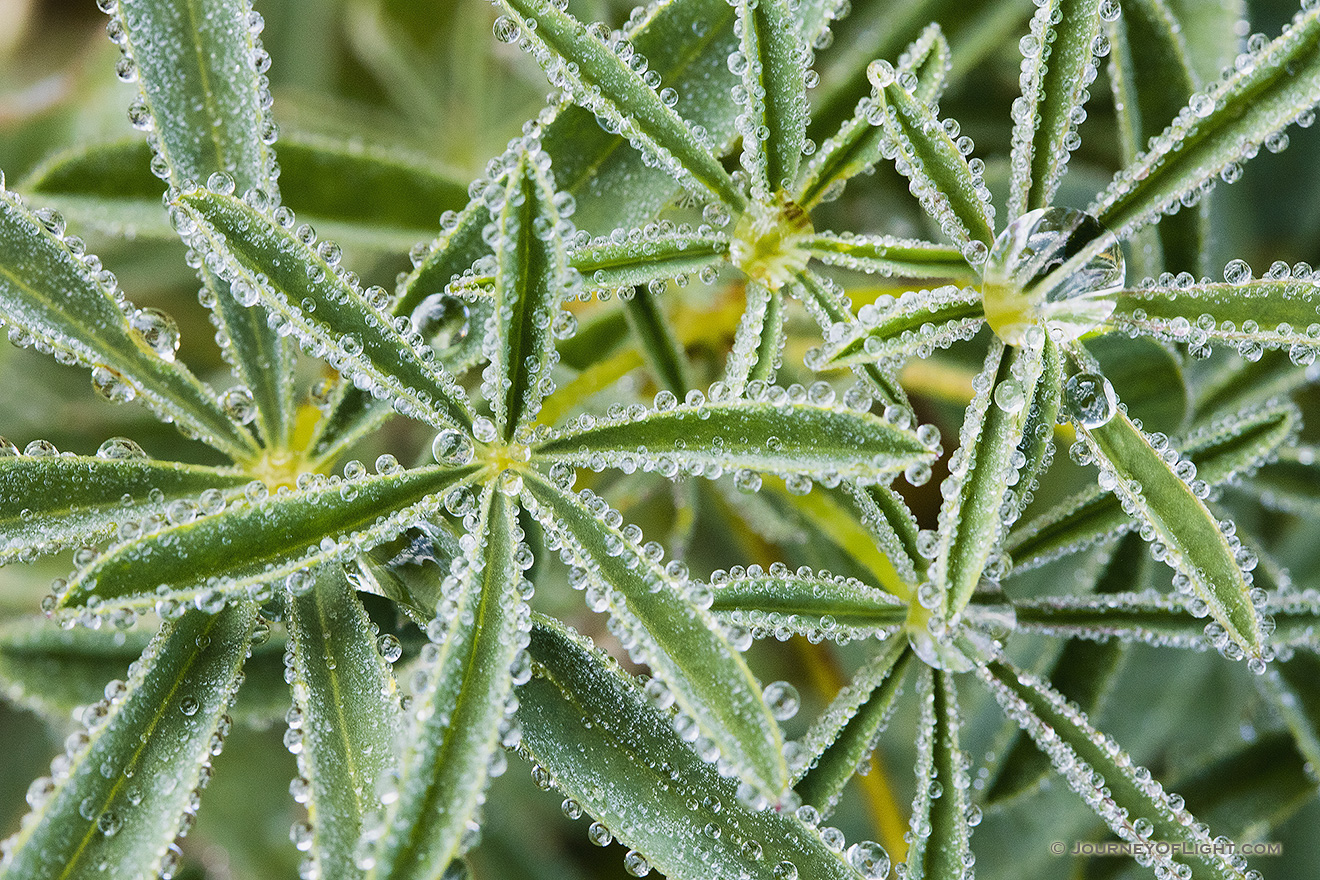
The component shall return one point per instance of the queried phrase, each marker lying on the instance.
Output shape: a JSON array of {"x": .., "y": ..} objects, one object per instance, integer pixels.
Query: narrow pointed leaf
[
  {"x": 54, "y": 671},
  {"x": 941, "y": 764},
  {"x": 350, "y": 715},
  {"x": 655, "y": 337},
  {"x": 655, "y": 612},
  {"x": 893, "y": 526},
  {"x": 837, "y": 607},
  {"x": 944, "y": 183},
  {"x": 279, "y": 535},
  {"x": 529, "y": 288},
  {"x": 759, "y": 341},
  {"x": 1291, "y": 481},
  {"x": 262, "y": 259},
  {"x": 1221, "y": 451},
  {"x": 589, "y": 69},
  {"x": 53, "y": 296},
  {"x": 1293, "y": 682},
  {"x": 1157, "y": 619},
  {"x": 1059, "y": 65},
  {"x": 204, "y": 103},
  {"x": 846, "y": 732},
  {"x": 1082, "y": 671},
  {"x": 1219, "y": 128},
  {"x": 51, "y": 502},
  {"x": 1250, "y": 315},
  {"x": 894, "y": 330},
  {"x": 798, "y": 438},
  {"x": 829, "y": 305},
  {"x": 1151, "y": 75},
  {"x": 454, "y": 727},
  {"x": 628, "y": 754},
  {"x": 609, "y": 264},
  {"x": 890, "y": 256},
  {"x": 972, "y": 519},
  {"x": 775, "y": 120},
  {"x": 143, "y": 758},
  {"x": 1196, "y": 545},
  {"x": 1130, "y": 794},
  {"x": 392, "y": 202},
  {"x": 855, "y": 148}
]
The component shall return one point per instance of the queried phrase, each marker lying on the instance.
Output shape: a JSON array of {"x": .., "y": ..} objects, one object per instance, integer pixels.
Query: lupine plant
[{"x": 696, "y": 261}]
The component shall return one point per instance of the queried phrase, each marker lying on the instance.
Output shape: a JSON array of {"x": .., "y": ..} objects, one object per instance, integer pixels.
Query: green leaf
[
  {"x": 890, "y": 256},
  {"x": 607, "y": 263},
  {"x": 836, "y": 607},
  {"x": 775, "y": 118},
  {"x": 1196, "y": 545},
  {"x": 580, "y": 61},
  {"x": 943, "y": 852},
  {"x": 130, "y": 779},
  {"x": 1146, "y": 98},
  {"x": 1290, "y": 481},
  {"x": 758, "y": 343},
  {"x": 1111, "y": 779},
  {"x": 203, "y": 102},
  {"x": 1222, "y": 451},
  {"x": 52, "y": 296},
  {"x": 829, "y": 305},
  {"x": 530, "y": 277},
  {"x": 1293, "y": 684},
  {"x": 1218, "y": 129},
  {"x": 51, "y": 502},
  {"x": 363, "y": 194},
  {"x": 1082, "y": 670},
  {"x": 455, "y": 726},
  {"x": 349, "y": 716},
  {"x": 807, "y": 437},
  {"x": 279, "y": 535},
  {"x": 972, "y": 518},
  {"x": 893, "y": 330},
  {"x": 846, "y": 732},
  {"x": 925, "y": 154},
  {"x": 665, "y": 620},
  {"x": 54, "y": 671},
  {"x": 1059, "y": 65},
  {"x": 627, "y": 768},
  {"x": 263, "y": 259},
  {"x": 894, "y": 528},
  {"x": 655, "y": 336},
  {"x": 1277, "y": 312}
]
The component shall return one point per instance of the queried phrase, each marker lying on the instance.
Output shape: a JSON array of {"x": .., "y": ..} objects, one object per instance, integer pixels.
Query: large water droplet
[
  {"x": 783, "y": 700},
  {"x": 452, "y": 448},
  {"x": 238, "y": 403},
  {"x": 442, "y": 320},
  {"x": 158, "y": 331},
  {"x": 1090, "y": 399},
  {"x": 1032, "y": 278},
  {"x": 869, "y": 859}
]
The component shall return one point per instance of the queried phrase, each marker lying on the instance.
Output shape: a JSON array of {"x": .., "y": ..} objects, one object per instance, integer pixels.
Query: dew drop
[
  {"x": 158, "y": 331},
  {"x": 636, "y": 864},
  {"x": 120, "y": 449},
  {"x": 389, "y": 648},
  {"x": 237, "y": 402},
  {"x": 442, "y": 320},
  {"x": 783, "y": 700},
  {"x": 452, "y": 448},
  {"x": 1022, "y": 287},
  {"x": 1090, "y": 399},
  {"x": 111, "y": 385},
  {"x": 869, "y": 859},
  {"x": 189, "y": 705}
]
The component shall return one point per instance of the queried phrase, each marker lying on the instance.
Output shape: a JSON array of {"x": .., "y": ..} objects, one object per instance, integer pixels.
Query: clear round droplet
[
  {"x": 869, "y": 859},
  {"x": 452, "y": 448},
  {"x": 1055, "y": 267},
  {"x": 783, "y": 700},
  {"x": 158, "y": 331},
  {"x": 1090, "y": 399},
  {"x": 239, "y": 405},
  {"x": 442, "y": 320}
]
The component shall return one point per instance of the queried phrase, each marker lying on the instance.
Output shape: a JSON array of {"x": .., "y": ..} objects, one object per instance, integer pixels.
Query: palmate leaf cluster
[{"x": 697, "y": 260}]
